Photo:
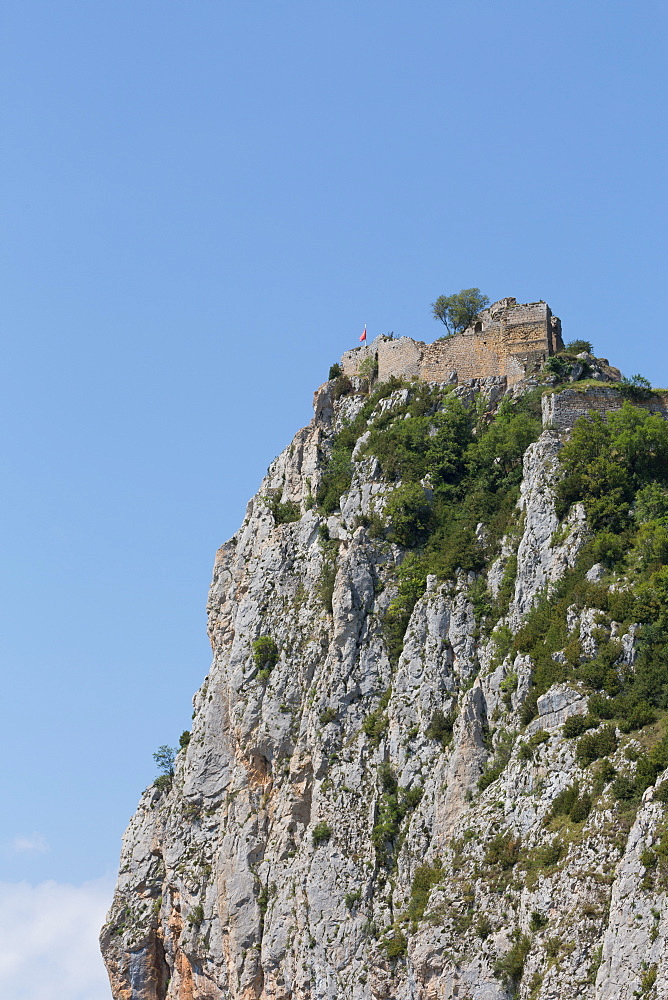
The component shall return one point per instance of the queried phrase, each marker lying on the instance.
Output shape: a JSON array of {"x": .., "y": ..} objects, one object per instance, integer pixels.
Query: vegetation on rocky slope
[
  {"x": 401, "y": 816},
  {"x": 455, "y": 477}
]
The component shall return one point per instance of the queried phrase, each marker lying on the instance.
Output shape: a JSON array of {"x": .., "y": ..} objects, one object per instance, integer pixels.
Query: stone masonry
[
  {"x": 507, "y": 340},
  {"x": 562, "y": 409}
]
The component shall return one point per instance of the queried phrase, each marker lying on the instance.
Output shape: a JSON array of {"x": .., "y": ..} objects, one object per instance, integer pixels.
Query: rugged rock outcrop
[{"x": 327, "y": 833}]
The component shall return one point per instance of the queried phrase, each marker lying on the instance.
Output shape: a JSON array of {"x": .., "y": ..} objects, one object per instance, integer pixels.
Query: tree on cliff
[
  {"x": 164, "y": 758},
  {"x": 458, "y": 311}
]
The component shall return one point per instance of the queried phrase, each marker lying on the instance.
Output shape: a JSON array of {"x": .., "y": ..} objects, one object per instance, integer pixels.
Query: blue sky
[{"x": 203, "y": 203}]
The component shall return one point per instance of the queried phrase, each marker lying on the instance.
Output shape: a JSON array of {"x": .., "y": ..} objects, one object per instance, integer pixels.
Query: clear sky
[{"x": 203, "y": 204}]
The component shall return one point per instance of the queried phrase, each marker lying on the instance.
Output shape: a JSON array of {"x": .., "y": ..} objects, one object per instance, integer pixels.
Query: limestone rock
[{"x": 347, "y": 826}]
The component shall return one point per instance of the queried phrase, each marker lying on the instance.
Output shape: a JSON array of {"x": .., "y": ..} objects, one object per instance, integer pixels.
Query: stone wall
[
  {"x": 402, "y": 358},
  {"x": 562, "y": 409},
  {"x": 506, "y": 339}
]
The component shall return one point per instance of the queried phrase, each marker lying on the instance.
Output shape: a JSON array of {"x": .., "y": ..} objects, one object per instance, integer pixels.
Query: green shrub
[
  {"x": 546, "y": 855},
  {"x": 503, "y": 851},
  {"x": 425, "y": 878},
  {"x": 579, "y": 347},
  {"x": 581, "y": 808},
  {"x": 649, "y": 766},
  {"x": 595, "y": 745},
  {"x": 601, "y": 707},
  {"x": 570, "y": 803},
  {"x": 440, "y": 727},
  {"x": 604, "y": 773},
  {"x": 387, "y": 777},
  {"x": 632, "y": 716},
  {"x": 265, "y": 655},
  {"x": 184, "y": 739},
  {"x": 342, "y": 387},
  {"x": 553, "y": 946},
  {"x": 283, "y": 513},
  {"x": 327, "y": 715},
  {"x": 503, "y": 641},
  {"x": 506, "y": 588},
  {"x": 500, "y": 760},
  {"x": 412, "y": 797},
  {"x": 651, "y": 544},
  {"x": 635, "y": 388},
  {"x": 196, "y": 916},
  {"x": 576, "y": 725},
  {"x": 526, "y": 751},
  {"x": 600, "y": 672},
  {"x": 559, "y": 366},
  {"x": 567, "y": 366},
  {"x": 351, "y": 899},
  {"x": 647, "y": 981},
  {"x": 606, "y": 461},
  {"x": 375, "y": 724},
  {"x": 508, "y": 686},
  {"x": 163, "y": 782},
  {"x": 334, "y": 371},
  {"x": 338, "y": 471},
  {"x": 368, "y": 368},
  {"x": 510, "y": 967},
  {"x": 538, "y": 921},
  {"x": 396, "y": 945},
  {"x": 409, "y": 514},
  {"x": 529, "y": 708},
  {"x": 321, "y": 833},
  {"x": 661, "y": 793},
  {"x": 608, "y": 548},
  {"x": 651, "y": 504},
  {"x": 394, "y": 804},
  {"x": 412, "y": 583},
  {"x": 624, "y": 788},
  {"x": 565, "y": 800},
  {"x": 534, "y": 985}
]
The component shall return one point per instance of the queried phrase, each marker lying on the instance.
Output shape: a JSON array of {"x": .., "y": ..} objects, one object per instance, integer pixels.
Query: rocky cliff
[{"x": 399, "y": 782}]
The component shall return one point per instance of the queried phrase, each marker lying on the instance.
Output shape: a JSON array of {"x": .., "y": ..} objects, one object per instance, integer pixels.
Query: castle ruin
[{"x": 506, "y": 339}]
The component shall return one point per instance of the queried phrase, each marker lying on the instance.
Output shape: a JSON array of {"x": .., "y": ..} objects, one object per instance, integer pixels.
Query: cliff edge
[{"x": 411, "y": 771}]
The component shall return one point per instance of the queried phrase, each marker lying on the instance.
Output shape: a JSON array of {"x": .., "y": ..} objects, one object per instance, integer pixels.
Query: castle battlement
[{"x": 507, "y": 339}]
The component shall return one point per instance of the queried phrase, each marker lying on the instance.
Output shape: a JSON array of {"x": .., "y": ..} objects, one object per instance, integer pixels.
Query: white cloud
[
  {"x": 36, "y": 843},
  {"x": 48, "y": 940}
]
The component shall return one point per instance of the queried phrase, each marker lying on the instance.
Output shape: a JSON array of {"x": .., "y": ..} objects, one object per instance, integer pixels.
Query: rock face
[{"x": 322, "y": 837}]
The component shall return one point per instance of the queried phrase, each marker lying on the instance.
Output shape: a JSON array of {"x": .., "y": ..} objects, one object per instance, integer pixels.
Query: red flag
[{"x": 363, "y": 337}]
